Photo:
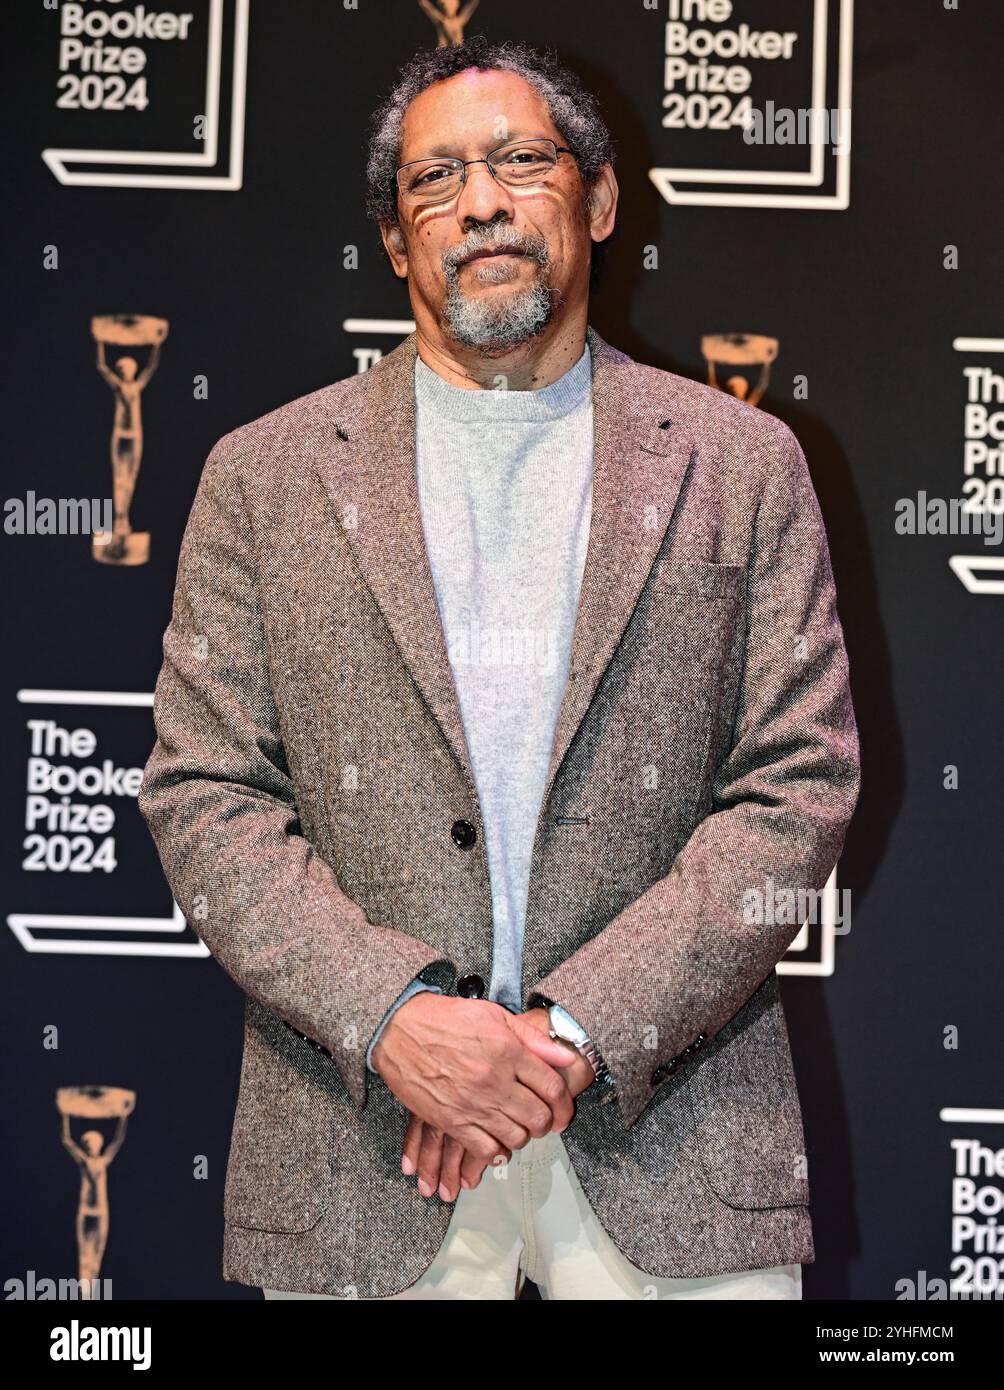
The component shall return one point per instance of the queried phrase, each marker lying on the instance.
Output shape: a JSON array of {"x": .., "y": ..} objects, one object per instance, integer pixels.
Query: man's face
[{"x": 496, "y": 301}]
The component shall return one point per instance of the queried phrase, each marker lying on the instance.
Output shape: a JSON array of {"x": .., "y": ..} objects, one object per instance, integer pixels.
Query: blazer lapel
[
  {"x": 640, "y": 457},
  {"x": 370, "y": 476},
  {"x": 369, "y": 473}
]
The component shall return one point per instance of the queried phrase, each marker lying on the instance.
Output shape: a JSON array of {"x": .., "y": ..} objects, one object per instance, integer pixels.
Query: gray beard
[{"x": 494, "y": 325}]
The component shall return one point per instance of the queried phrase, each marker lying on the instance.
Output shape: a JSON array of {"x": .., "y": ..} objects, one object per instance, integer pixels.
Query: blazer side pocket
[
  {"x": 279, "y": 1170},
  {"x": 745, "y": 1108}
]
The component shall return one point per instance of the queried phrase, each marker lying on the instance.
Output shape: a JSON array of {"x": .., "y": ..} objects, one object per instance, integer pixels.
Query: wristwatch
[{"x": 565, "y": 1028}]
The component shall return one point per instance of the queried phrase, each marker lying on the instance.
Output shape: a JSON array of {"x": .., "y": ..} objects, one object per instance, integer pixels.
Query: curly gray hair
[{"x": 574, "y": 111}]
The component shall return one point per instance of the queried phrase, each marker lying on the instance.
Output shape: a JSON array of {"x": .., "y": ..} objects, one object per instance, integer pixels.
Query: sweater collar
[{"x": 441, "y": 398}]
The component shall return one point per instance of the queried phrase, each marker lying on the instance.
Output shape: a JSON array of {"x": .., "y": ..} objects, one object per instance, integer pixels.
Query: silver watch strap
[{"x": 593, "y": 1055}]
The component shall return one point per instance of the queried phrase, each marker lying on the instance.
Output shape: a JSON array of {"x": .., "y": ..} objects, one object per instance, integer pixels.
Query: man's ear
[
  {"x": 602, "y": 204},
  {"x": 394, "y": 245}
]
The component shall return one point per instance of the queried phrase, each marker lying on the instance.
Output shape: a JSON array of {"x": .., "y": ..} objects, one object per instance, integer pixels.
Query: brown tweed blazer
[{"x": 310, "y": 762}]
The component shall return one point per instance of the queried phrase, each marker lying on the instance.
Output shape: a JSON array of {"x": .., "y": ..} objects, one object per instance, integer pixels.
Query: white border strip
[{"x": 978, "y": 344}]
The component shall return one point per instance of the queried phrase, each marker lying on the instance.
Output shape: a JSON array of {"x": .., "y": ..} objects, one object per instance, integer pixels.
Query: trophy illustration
[
  {"x": 450, "y": 18},
  {"x": 126, "y": 546},
  {"x": 740, "y": 350},
  {"x": 93, "y": 1158}
]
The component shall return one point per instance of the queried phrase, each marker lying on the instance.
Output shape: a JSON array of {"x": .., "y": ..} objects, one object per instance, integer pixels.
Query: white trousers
[{"x": 530, "y": 1218}]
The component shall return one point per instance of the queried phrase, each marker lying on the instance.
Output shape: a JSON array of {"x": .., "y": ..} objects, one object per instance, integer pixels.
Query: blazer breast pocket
[
  {"x": 701, "y": 578},
  {"x": 685, "y": 636}
]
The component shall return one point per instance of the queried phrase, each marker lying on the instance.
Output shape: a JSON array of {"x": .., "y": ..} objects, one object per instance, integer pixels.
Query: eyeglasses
[{"x": 517, "y": 164}]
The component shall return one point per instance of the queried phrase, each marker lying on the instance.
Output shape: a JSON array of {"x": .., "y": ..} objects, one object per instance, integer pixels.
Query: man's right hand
[{"x": 464, "y": 1067}]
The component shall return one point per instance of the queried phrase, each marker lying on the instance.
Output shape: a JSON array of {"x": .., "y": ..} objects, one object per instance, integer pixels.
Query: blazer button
[
  {"x": 663, "y": 1073},
  {"x": 471, "y": 987},
  {"x": 463, "y": 834}
]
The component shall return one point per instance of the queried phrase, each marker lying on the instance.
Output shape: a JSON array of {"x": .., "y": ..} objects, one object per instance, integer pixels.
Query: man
[{"x": 503, "y": 682}]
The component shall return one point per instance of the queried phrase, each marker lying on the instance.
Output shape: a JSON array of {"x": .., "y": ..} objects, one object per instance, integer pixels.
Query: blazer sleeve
[
  {"x": 218, "y": 797},
  {"x": 675, "y": 965}
]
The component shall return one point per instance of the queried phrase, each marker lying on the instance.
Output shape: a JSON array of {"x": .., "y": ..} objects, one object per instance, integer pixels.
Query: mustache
[{"x": 496, "y": 238}]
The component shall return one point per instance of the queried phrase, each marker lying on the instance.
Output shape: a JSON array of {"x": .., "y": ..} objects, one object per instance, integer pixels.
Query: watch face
[{"x": 566, "y": 1027}]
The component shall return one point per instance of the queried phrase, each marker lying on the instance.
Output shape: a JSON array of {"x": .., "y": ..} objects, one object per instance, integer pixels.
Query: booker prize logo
[
  {"x": 169, "y": 81},
  {"x": 87, "y": 863},
  {"x": 758, "y": 116},
  {"x": 982, "y": 392},
  {"x": 976, "y": 1265}
]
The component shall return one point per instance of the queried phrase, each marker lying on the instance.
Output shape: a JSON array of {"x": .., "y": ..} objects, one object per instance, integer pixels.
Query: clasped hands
[{"x": 477, "y": 1081}]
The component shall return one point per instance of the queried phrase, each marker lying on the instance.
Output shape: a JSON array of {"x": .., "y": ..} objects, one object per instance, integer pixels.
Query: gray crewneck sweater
[{"x": 505, "y": 489}]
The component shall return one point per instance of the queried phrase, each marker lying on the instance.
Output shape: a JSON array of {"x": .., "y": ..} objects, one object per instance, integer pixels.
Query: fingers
[
  {"x": 550, "y": 1050},
  {"x": 411, "y": 1145},
  {"x": 472, "y": 1168},
  {"x": 535, "y": 1118},
  {"x": 449, "y": 1169},
  {"x": 550, "y": 1087},
  {"x": 430, "y": 1154},
  {"x": 541, "y": 1064},
  {"x": 543, "y": 1048},
  {"x": 443, "y": 1163}
]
